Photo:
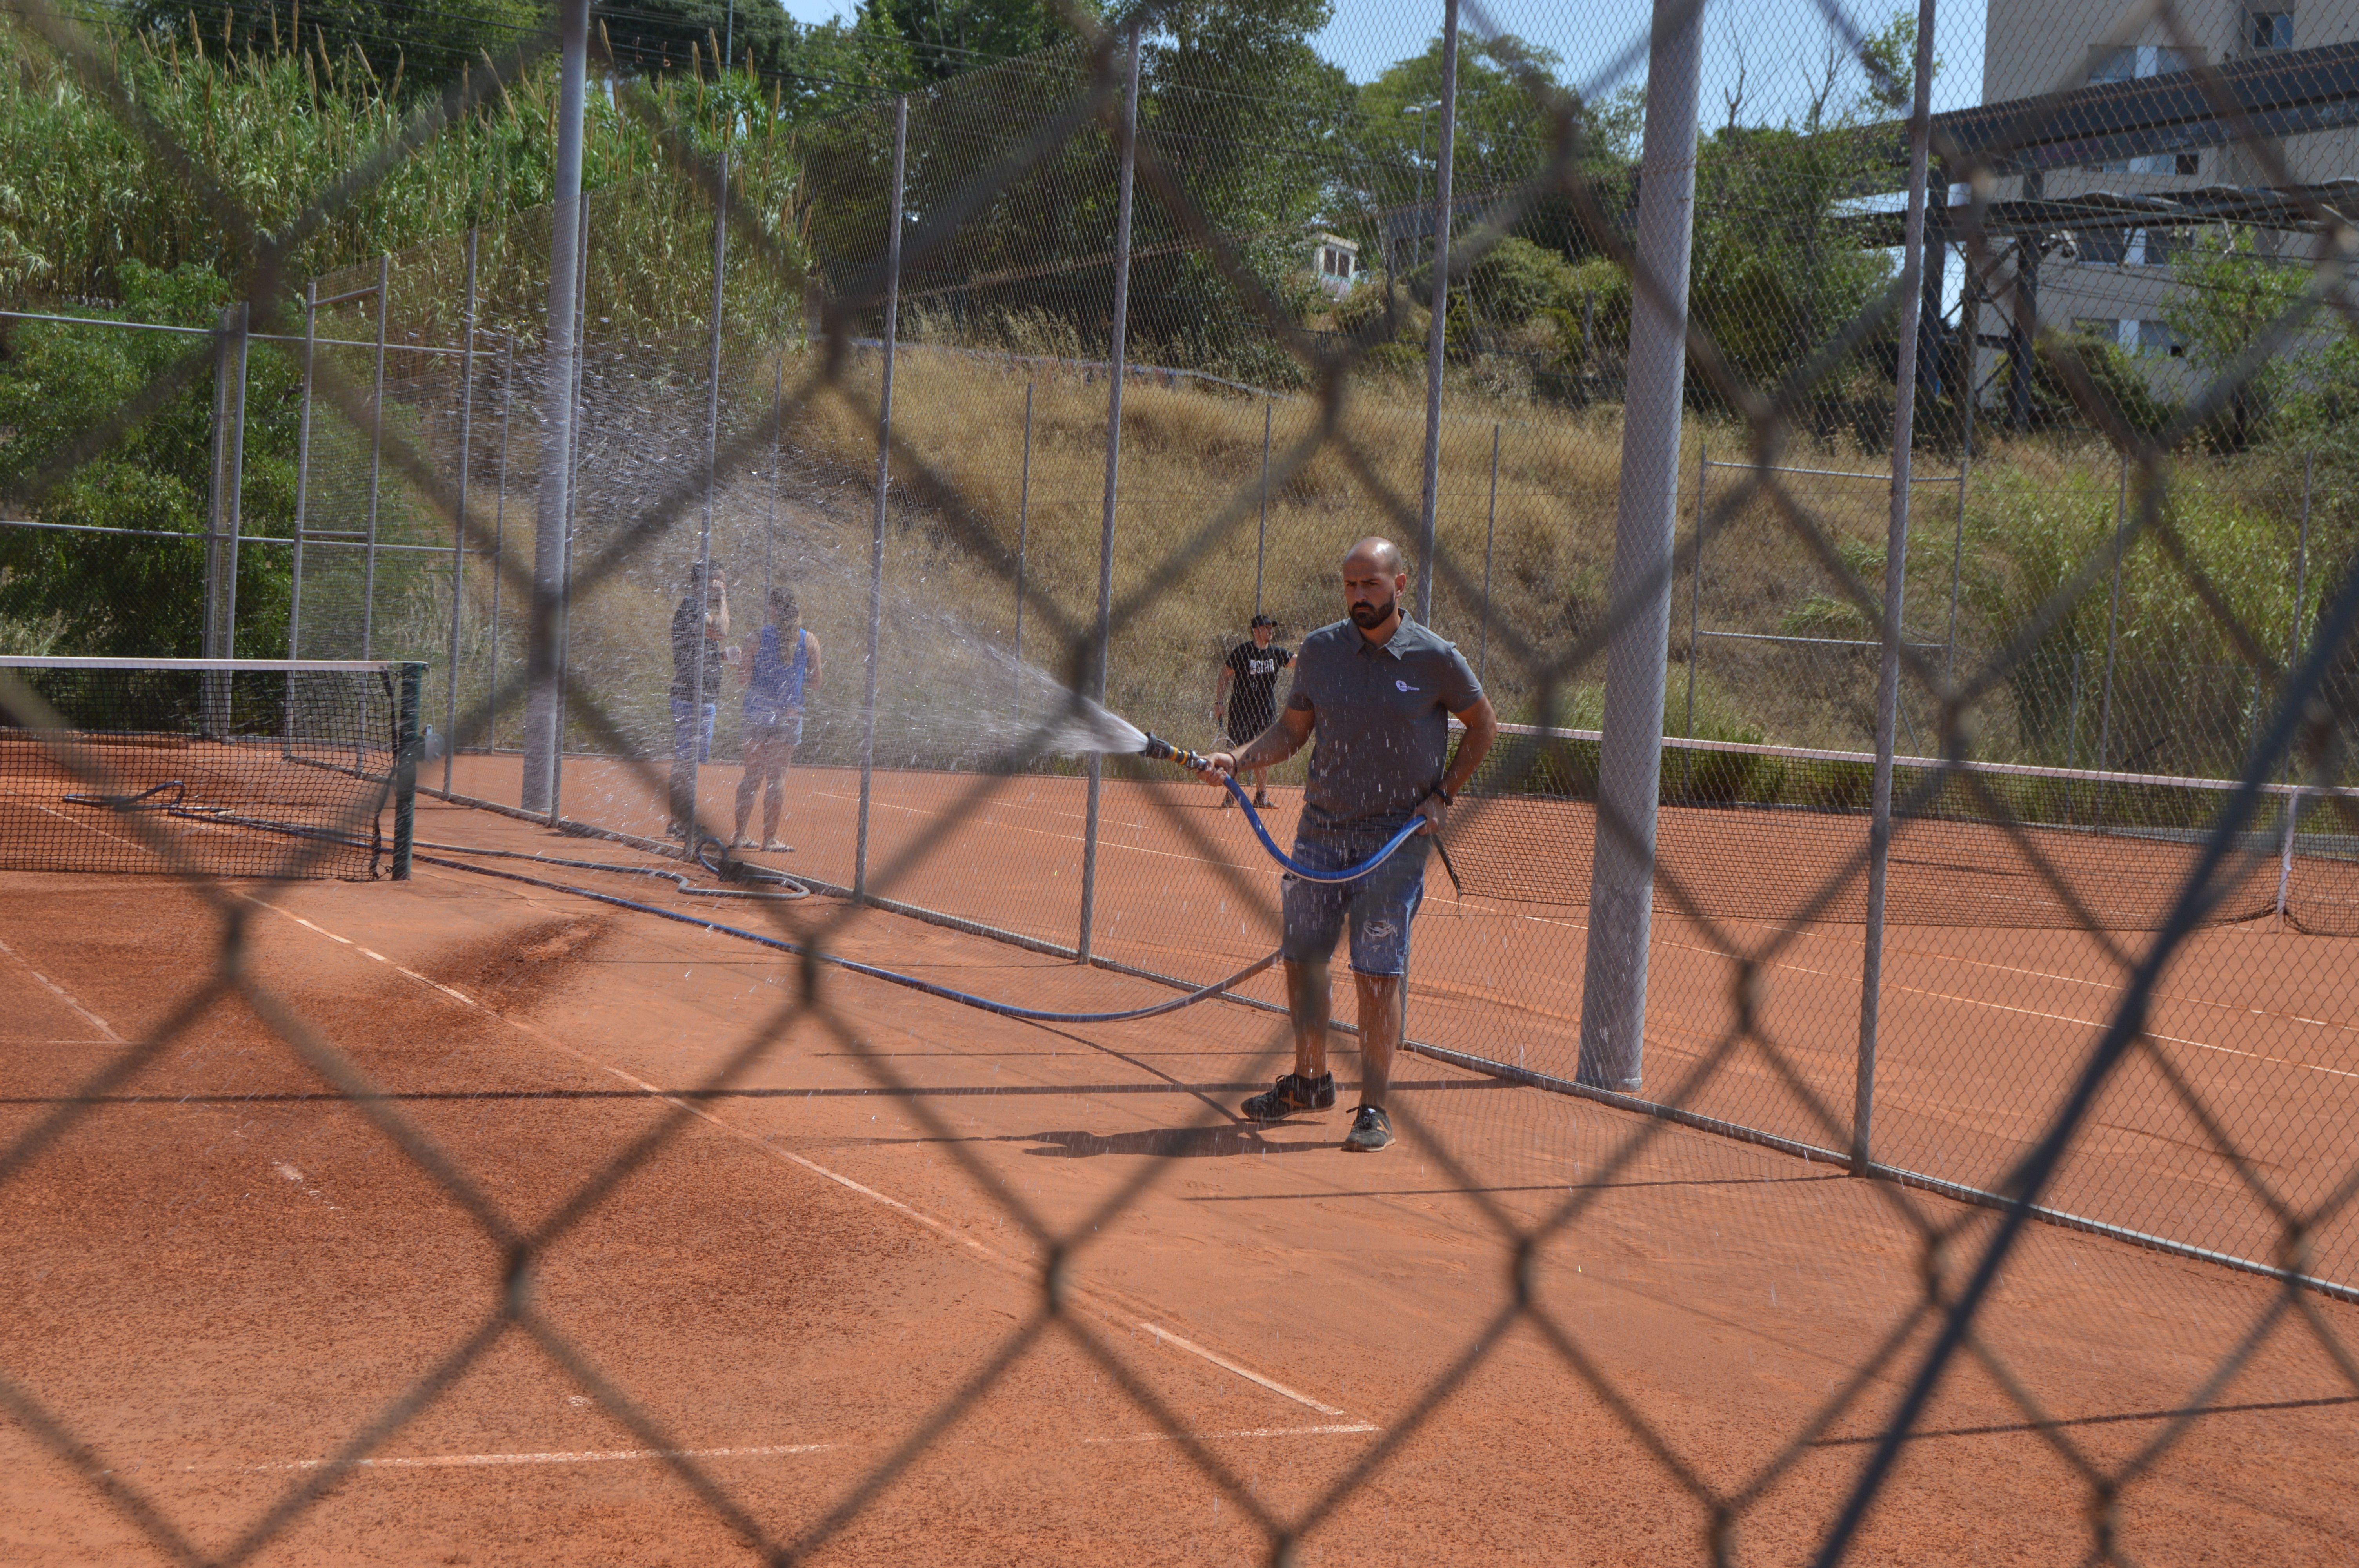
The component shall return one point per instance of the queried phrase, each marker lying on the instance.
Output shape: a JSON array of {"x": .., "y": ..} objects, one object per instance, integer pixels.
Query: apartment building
[{"x": 2117, "y": 281}]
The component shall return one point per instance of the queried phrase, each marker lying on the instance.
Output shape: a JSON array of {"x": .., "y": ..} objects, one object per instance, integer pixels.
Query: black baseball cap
[{"x": 1260, "y": 620}]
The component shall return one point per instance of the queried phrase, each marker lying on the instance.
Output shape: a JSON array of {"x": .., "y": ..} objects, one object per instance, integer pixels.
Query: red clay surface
[{"x": 223, "y": 1269}]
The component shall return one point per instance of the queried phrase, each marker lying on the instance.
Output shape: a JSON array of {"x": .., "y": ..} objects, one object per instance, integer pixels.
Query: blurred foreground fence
[{"x": 1127, "y": 410}]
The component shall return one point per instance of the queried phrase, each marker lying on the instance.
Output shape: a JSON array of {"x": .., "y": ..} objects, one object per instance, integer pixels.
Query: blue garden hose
[
  {"x": 1160, "y": 749},
  {"x": 1164, "y": 750},
  {"x": 1005, "y": 1010}
]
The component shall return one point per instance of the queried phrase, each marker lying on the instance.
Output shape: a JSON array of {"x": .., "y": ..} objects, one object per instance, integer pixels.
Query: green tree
[{"x": 2228, "y": 297}]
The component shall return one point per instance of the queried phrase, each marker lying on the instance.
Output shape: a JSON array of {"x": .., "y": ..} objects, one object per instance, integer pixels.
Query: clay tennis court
[{"x": 226, "y": 1269}]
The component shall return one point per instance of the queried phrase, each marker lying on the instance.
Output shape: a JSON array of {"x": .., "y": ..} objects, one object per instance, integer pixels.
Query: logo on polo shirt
[{"x": 1404, "y": 686}]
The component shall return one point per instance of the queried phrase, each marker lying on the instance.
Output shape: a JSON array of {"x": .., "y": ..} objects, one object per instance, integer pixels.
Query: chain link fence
[{"x": 1985, "y": 781}]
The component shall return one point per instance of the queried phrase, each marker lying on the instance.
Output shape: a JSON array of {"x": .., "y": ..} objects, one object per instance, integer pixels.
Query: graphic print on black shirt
[{"x": 1252, "y": 694}]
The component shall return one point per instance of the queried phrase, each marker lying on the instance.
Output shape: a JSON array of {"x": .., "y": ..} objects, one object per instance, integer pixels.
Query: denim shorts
[
  {"x": 1378, "y": 907},
  {"x": 773, "y": 726}
]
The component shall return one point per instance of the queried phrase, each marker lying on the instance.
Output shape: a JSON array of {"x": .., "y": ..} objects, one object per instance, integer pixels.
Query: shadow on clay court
[{"x": 1167, "y": 1143}]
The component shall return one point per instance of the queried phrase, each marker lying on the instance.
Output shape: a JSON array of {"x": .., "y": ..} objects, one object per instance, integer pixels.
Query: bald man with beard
[{"x": 1373, "y": 695}]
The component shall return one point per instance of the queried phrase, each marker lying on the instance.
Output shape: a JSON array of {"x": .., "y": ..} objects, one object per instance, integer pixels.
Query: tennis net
[
  {"x": 1751, "y": 832},
  {"x": 264, "y": 768}
]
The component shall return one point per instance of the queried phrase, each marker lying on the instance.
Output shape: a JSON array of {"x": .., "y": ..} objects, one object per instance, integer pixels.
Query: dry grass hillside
[{"x": 1184, "y": 588}]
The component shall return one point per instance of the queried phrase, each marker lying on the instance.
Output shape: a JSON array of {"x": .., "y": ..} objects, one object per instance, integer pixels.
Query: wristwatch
[{"x": 1446, "y": 798}]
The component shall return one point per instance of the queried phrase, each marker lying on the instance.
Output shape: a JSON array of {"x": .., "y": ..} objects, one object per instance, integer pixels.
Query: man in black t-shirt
[
  {"x": 1249, "y": 693},
  {"x": 700, "y": 636}
]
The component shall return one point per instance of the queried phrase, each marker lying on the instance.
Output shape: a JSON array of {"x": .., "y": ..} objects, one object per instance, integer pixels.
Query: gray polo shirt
[{"x": 1383, "y": 720}]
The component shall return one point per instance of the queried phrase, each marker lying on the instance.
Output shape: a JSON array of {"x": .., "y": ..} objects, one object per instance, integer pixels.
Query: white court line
[
  {"x": 65, "y": 997},
  {"x": 476, "y": 1461},
  {"x": 1246, "y": 1432},
  {"x": 1078, "y": 1294}
]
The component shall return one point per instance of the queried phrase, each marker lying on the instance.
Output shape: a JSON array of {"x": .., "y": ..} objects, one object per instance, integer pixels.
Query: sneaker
[
  {"x": 1371, "y": 1131},
  {"x": 1227, "y": 800},
  {"x": 1294, "y": 1093},
  {"x": 1261, "y": 799}
]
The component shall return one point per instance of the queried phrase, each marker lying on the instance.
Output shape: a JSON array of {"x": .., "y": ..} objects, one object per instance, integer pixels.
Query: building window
[
  {"x": 2139, "y": 62},
  {"x": 2153, "y": 338},
  {"x": 2268, "y": 30},
  {"x": 2191, "y": 163}
]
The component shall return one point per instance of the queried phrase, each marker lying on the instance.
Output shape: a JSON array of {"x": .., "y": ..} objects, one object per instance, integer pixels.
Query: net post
[
  {"x": 884, "y": 481},
  {"x": 459, "y": 522},
  {"x": 572, "y": 508},
  {"x": 1437, "y": 328},
  {"x": 404, "y": 766},
  {"x": 1102, "y": 654},
  {"x": 2293, "y": 655},
  {"x": 1895, "y": 584},
  {"x": 1630, "y": 752},
  {"x": 542, "y": 677}
]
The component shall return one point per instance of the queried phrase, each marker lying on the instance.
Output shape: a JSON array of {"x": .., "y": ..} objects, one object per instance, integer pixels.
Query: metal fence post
[
  {"x": 1437, "y": 331},
  {"x": 1957, "y": 561},
  {"x": 458, "y": 523},
  {"x": 1023, "y": 542},
  {"x": 1630, "y": 756},
  {"x": 2293, "y": 651},
  {"x": 302, "y": 475},
  {"x": 1100, "y": 654},
  {"x": 542, "y": 677},
  {"x": 499, "y": 536},
  {"x": 220, "y": 639},
  {"x": 778, "y": 441},
  {"x": 376, "y": 463},
  {"x": 1695, "y": 587},
  {"x": 1490, "y": 535},
  {"x": 1261, "y": 540},
  {"x": 573, "y": 506},
  {"x": 2112, "y": 627},
  {"x": 684, "y": 804},
  {"x": 884, "y": 480},
  {"x": 1895, "y": 587}
]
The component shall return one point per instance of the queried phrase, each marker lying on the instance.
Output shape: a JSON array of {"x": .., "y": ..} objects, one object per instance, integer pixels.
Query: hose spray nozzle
[{"x": 1162, "y": 750}]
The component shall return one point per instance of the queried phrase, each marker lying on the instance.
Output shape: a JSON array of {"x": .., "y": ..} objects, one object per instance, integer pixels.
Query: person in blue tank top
[{"x": 785, "y": 666}]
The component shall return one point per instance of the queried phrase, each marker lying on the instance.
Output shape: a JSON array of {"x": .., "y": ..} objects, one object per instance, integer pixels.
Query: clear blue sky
[{"x": 1780, "y": 43}]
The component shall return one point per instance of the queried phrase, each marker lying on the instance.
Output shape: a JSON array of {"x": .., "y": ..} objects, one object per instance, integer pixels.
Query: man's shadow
[{"x": 1170, "y": 1142}]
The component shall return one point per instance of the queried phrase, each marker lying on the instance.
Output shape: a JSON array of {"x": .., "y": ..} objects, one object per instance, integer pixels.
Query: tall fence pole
[
  {"x": 302, "y": 474},
  {"x": 1023, "y": 542},
  {"x": 684, "y": 809},
  {"x": 458, "y": 523},
  {"x": 1437, "y": 331},
  {"x": 2293, "y": 652},
  {"x": 1957, "y": 561},
  {"x": 543, "y": 677},
  {"x": 1630, "y": 752},
  {"x": 1261, "y": 539},
  {"x": 2112, "y": 630},
  {"x": 1895, "y": 587},
  {"x": 220, "y": 639},
  {"x": 572, "y": 507},
  {"x": 1490, "y": 536},
  {"x": 499, "y": 533},
  {"x": 884, "y": 479},
  {"x": 376, "y": 462},
  {"x": 1099, "y": 656}
]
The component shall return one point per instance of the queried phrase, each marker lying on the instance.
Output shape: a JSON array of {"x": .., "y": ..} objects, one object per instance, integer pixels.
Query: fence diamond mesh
[{"x": 1944, "y": 791}]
